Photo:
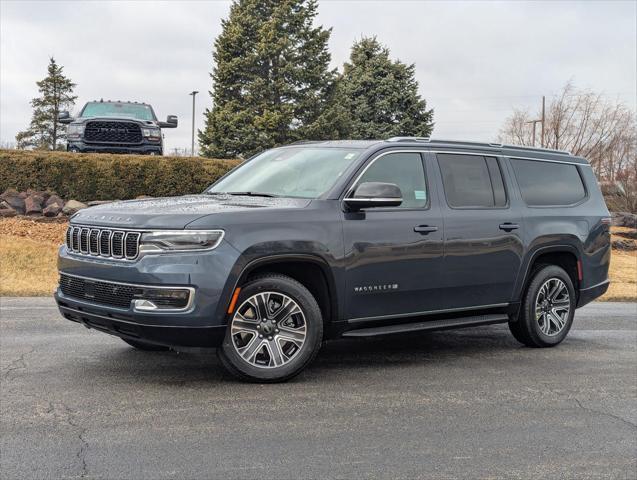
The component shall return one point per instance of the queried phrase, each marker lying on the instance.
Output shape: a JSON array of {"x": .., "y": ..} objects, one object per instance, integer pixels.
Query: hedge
[{"x": 93, "y": 176}]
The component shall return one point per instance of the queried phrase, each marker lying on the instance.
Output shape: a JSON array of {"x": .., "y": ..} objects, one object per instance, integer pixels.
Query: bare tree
[{"x": 590, "y": 125}]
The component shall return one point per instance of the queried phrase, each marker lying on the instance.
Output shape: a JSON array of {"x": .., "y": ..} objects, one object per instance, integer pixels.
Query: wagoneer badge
[{"x": 376, "y": 288}]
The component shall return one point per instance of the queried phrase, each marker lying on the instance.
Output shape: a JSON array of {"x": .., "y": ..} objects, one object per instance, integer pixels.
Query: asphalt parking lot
[{"x": 457, "y": 404}]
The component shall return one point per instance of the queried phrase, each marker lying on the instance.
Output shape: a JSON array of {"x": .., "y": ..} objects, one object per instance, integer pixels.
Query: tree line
[{"x": 272, "y": 84}]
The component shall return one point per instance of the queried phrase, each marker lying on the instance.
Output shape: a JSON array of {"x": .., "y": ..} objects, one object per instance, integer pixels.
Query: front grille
[
  {"x": 105, "y": 293},
  {"x": 103, "y": 242},
  {"x": 113, "y": 132}
]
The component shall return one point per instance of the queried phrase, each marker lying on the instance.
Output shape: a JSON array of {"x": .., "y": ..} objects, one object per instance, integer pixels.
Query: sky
[{"x": 475, "y": 60}]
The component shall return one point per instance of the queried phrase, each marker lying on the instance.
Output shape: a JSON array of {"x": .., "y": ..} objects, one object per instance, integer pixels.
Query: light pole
[{"x": 192, "y": 141}]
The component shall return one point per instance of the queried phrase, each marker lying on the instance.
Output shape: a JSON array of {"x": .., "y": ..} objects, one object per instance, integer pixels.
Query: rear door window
[
  {"x": 472, "y": 181},
  {"x": 548, "y": 183}
]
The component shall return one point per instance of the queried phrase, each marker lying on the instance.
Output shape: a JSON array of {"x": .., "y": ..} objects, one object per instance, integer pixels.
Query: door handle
[
  {"x": 508, "y": 226},
  {"x": 425, "y": 229}
]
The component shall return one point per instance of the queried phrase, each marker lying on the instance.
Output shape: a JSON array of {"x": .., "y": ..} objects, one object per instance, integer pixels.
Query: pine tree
[
  {"x": 271, "y": 80},
  {"x": 56, "y": 95},
  {"x": 381, "y": 95}
]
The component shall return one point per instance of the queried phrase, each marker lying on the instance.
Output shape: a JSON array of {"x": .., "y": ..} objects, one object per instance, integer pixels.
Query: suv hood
[{"x": 176, "y": 212}]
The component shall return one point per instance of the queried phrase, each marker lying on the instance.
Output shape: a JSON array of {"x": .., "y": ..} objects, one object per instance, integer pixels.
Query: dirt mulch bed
[{"x": 49, "y": 232}]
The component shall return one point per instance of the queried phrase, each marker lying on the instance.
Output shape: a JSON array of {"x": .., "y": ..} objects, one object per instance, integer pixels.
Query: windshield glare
[
  {"x": 129, "y": 110},
  {"x": 304, "y": 172}
]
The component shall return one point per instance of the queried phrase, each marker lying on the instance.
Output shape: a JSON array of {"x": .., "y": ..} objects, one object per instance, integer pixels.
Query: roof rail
[
  {"x": 535, "y": 149},
  {"x": 477, "y": 144}
]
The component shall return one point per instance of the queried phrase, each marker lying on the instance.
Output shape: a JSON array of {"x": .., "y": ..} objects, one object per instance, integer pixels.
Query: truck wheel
[
  {"x": 147, "y": 347},
  {"x": 275, "y": 331},
  {"x": 547, "y": 310}
]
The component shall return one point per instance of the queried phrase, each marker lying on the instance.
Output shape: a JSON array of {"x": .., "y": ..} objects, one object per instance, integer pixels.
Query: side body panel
[{"x": 481, "y": 261}]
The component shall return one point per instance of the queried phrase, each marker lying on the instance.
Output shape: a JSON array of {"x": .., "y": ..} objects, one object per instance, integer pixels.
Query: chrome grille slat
[{"x": 103, "y": 242}]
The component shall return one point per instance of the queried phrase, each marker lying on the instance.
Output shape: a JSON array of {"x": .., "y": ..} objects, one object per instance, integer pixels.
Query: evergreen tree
[
  {"x": 381, "y": 95},
  {"x": 56, "y": 95},
  {"x": 271, "y": 80}
]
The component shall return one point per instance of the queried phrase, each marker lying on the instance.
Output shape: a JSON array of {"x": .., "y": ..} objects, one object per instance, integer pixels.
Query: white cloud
[{"x": 474, "y": 60}]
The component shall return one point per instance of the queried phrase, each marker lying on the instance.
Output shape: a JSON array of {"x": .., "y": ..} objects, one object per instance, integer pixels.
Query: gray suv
[{"x": 344, "y": 239}]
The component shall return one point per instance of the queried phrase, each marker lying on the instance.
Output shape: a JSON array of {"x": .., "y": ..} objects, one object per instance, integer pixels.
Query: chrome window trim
[
  {"x": 502, "y": 155},
  {"x": 186, "y": 309}
]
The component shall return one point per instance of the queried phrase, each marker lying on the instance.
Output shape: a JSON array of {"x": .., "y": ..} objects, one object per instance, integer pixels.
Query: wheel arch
[
  {"x": 310, "y": 270},
  {"x": 565, "y": 255}
]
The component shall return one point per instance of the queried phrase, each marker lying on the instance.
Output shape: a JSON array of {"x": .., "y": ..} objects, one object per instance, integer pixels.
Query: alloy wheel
[
  {"x": 268, "y": 330},
  {"x": 552, "y": 307}
]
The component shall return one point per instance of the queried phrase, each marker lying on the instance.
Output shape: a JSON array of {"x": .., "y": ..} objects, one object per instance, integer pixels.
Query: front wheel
[
  {"x": 547, "y": 310},
  {"x": 275, "y": 331}
]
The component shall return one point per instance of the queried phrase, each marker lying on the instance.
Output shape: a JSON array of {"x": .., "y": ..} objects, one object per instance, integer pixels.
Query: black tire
[
  {"x": 147, "y": 347},
  {"x": 275, "y": 284},
  {"x": 528, "y": 328}
]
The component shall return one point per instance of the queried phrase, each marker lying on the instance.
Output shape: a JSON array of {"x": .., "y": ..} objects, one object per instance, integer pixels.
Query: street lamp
[{"x": 192, "y": 141}]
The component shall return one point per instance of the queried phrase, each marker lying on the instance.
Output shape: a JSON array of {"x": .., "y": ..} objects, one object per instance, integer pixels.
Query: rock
[
  {"x": 53, "y": 198},
  {"x": 624, "y": 219},
  {"x": 93, "y": 203},
  {"x": 625, "y": 245},
  {"x": 6, "y": 210},
  {"x": 73, "y": 206},
  {"x": 52, "y": 210},
  {"x": 33, "y": 204},
  {"x": 13, "y": 199}
]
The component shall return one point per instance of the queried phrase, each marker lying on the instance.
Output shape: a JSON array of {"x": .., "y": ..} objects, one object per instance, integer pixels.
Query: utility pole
[
  {"x": 534, "y": 122},
  {"x": 543, "y": 120},
  {"x": 192, "y": 140}
]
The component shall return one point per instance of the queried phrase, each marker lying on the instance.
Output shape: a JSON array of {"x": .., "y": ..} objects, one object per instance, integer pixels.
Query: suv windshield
[
  {"x": 304, "y": 172},
  {"x": 109, "y": 109}
]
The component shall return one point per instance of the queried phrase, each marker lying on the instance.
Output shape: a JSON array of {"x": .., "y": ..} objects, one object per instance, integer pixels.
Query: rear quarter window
[{"x": 548, "y": 183}]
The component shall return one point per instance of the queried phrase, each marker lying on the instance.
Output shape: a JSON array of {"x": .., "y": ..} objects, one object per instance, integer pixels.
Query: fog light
[
  {"x": 144, "y": 305},
  {"x": 153, "y": 299}
]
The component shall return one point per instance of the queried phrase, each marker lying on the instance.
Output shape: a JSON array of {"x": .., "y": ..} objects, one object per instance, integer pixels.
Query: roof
[{"x": 518, "y": 151}]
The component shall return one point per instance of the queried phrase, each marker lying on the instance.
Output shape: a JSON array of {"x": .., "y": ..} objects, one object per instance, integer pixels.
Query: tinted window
[
  {"x": 472, "y": 181},
  {"x": 406, "y": 171},
  {"x": 546, "y": 183}
]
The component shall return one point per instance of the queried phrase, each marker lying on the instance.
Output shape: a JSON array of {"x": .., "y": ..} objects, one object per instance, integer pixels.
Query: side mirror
[
  {"x": 374, "y": 194},
  {"x": 171, "y": 122},
  {"x": 64, "y": 117}
]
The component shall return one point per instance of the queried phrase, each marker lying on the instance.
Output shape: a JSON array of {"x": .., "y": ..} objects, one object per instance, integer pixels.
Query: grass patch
[{"x": 28, "y": 261}]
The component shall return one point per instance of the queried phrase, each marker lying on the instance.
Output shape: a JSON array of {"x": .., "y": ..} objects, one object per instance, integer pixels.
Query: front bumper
[
  {"x": 143, "y": 149},
  {"x": 202, "y": 324}
]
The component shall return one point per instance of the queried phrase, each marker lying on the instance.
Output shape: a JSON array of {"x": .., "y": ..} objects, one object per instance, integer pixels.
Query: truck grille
[
  {"x": 105, "y": 293},
  {"x": 113, "y": 132},
  {"x": 103, "y": 242}
]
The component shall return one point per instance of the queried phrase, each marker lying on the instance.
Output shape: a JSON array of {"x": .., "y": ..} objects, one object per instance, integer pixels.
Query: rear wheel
[
  {"x": 547, "y": 310},
  {"x": 275, "y": 331},
  {"x": 148, "y": 347}
]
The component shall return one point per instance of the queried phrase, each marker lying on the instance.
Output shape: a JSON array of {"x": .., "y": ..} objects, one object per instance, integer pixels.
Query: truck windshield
[
  {"x": 111, "y": 109},
  {"x": 303, "y": 172}
]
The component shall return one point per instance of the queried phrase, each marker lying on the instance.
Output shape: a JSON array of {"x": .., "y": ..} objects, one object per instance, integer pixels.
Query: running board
[{"x": 460, "y": 322}]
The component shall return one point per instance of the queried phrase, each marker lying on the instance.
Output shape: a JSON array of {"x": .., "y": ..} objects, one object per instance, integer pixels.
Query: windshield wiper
[{"x": 252, "y": 194}]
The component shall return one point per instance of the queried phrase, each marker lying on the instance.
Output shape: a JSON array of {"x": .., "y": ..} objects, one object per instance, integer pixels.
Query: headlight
[
  {"x": 179, "y": 241},
  {"x": 75, "y": 130},
  {"x": 151, "y": 132}
]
